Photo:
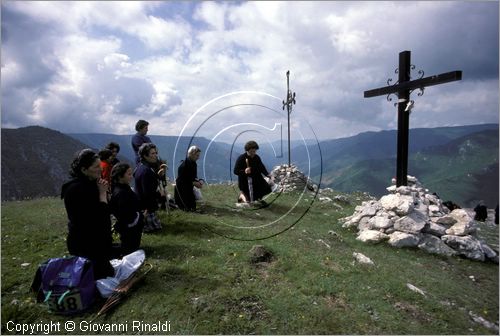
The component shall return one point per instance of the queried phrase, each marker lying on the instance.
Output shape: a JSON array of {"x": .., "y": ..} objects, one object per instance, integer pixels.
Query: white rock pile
[
  {"x": 290, "y": 178},
  {"x": 412, "y": 217}
]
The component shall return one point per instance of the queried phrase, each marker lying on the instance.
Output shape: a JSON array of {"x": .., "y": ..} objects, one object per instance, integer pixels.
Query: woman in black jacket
[
  {"x": 86, "y": 203},
  {"x": 250, "y": 171},
  {"x": 146, "y": 186},
  {"x": 187, "y": 178},
  {"x": 126, "y": 208}
]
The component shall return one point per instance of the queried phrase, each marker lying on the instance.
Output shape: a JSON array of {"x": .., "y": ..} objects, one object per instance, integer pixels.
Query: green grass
[{"x": 204, "y": 283}]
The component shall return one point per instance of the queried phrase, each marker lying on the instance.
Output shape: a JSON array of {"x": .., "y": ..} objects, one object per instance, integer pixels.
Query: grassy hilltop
[{"x": 204, "y": 282}]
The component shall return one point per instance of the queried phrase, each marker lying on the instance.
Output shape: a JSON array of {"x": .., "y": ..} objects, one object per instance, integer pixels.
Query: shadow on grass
[
  {"x": 276, "y": 209},
  {"x": 179, "y": 278},
  {"x": 169, "y": 251},
  {"x": 186, "y": 228}
]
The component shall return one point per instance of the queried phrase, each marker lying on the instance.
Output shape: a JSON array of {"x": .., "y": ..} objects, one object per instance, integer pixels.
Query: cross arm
[{"x": 415, "y": 84}]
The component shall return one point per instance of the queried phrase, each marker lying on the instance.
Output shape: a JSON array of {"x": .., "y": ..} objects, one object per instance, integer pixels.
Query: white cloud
[
  {"x": 108, "y": 64},
  {"x": 212, "y": 13}
]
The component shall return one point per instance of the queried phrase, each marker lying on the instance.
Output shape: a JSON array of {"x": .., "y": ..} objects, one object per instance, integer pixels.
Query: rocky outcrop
[{"x": 410, "y": 216}]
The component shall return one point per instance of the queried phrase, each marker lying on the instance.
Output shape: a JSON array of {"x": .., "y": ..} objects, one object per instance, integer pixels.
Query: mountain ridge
[{"x": 363, "y": 162}]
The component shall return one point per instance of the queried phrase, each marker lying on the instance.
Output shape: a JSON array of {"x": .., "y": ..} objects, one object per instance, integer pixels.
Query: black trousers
[{"x": 131, "y": 238}]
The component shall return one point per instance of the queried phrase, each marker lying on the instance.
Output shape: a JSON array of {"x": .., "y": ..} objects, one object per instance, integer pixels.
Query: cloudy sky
[{"x": 191, "y": 66}]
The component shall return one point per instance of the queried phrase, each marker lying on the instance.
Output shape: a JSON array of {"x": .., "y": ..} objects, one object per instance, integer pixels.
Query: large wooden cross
[{"x": 402, "y": 89}]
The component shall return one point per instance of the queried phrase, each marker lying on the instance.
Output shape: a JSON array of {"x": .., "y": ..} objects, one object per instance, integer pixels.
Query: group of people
[{"x": 100, "y": 187}]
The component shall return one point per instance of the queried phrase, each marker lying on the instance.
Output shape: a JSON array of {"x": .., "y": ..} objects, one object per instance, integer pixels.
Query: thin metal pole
[
  {"x": 288, "y": 112},
  {"x": 290, "y": 99}
]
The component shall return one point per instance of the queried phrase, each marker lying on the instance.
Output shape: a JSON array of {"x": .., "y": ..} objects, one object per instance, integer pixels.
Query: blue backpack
[{"x": 66, "y": 285}]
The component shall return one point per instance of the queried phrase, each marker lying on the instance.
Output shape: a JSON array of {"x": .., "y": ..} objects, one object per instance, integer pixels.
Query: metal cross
[
  {"x": 290, "y": 99},
  {"x": 402, "y": 89}
]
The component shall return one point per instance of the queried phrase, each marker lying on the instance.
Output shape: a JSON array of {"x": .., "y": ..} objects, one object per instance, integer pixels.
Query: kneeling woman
[
  {"x": 250, "y": 165},
  {"x": 125, "y": 206},
  {"x": 187, "y": 178},
  {"x": 86, "y": 202}
]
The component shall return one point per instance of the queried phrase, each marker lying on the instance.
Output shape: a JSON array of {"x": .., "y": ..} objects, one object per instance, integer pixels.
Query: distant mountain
[
  {"x": 459, "y": 163},
  {"x": 35, "y": 161},
  {"x": 341, "y": 154},
  {"x": 213, "y": 167},
  {"x": 463, "y": 169}
]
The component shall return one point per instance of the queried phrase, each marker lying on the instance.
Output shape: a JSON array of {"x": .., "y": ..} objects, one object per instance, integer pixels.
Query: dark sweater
[
  {"x": 146, "y": 184},
  {"x": 187, "y": 173},
  {"x": 136, "y": 142},
  {"x": 89, "y": 226},
  {"x": 260, "y": 186},
  {"x": 125, "y": 206}
]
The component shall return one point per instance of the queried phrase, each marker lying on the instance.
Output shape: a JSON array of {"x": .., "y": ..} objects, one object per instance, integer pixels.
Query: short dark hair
[
  {"x": 251, "y": 145},
  {"x": 82, "y": 159},
  {"x": 113, "y": 145},
  {"x": 105, "y": 154},
  {"x": 118, "y": 171},
  {"x": 145, "y": 148},
  {"x": 140, "y": 125}
]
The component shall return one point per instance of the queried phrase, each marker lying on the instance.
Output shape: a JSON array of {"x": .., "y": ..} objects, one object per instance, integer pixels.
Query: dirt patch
[
  {"x": 249, "y": 307},
  {"x": 260, "y": 254},
  {"x": 336, "y": 301},
  {"x": 333, "y": 266},
  {"x": 262, "y": 268},
  {"x": 413, "y": 311}
]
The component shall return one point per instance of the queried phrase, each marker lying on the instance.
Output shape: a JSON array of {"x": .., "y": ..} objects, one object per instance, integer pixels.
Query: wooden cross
[{"x": 402, "y": 89}]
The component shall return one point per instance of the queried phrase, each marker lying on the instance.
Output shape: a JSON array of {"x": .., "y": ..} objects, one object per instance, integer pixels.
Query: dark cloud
[
  {"x": 101, "y": 76},
  {"x": 461, "y": 37},
  {"x": 29, "y": 44}
]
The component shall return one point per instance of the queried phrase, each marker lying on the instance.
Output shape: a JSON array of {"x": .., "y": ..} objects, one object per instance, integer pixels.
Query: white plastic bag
[
  {"x": 197, "y": 194},
  {"x": 123, "y": 269},
  {"x": 271, "y": 183}
]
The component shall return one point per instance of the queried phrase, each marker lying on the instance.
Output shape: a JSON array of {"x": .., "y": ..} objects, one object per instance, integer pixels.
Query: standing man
[
  {"x": 140, "y": 138},
  {"x": 159, "y": 166}
]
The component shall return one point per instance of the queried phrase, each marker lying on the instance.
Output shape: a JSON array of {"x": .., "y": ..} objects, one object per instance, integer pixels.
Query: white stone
[
  {"x": 415, "y": 289},
  {"x": 466, "y": 246},
  {"x": 433, "y": 199},
  {"x": 446, "y": 220},
  {"x": 364, "y": 224},
  {"x": 433, "y": 209},
  {"x": 434, "y": 245},
  {"x": 362, "y": 259},
  {"x": 462, "y": 228},
  {"x": 403, "y": 239},
  {"x": 411, "y": 179},
  {"x": 379, "y": 222},
  {"x": 412, "y": 223},
  {"x": 460, "y": 215},
  {"x": 372, "y": 236},
  {"x": 401, "y": 204},
  {"x": 403, "y": 190},
  {"x": 434, "y": 229},
  {"x": 488, "y": 251},
  {"x": 391, "y": 188}
]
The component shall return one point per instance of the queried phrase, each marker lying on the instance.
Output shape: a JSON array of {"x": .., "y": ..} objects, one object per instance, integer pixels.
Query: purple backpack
[{"x": 66, "y": 285}]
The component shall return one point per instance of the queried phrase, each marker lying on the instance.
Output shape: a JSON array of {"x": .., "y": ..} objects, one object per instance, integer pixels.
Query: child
[
  {"x": 125, "y": 207},
  {"x": 106, "y": 156}
]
